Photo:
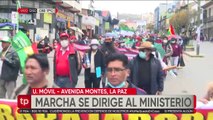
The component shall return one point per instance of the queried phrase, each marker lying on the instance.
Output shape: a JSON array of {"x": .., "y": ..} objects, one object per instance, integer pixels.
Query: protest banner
[{"x": 8, "y": 111}]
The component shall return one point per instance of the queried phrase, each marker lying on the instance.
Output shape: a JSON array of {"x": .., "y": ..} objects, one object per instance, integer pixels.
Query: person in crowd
[
  {"x": 207, "y": 101},
  {"x": 36, "y": 70},
  {"x": 117, "y": 73},
  {"x": 10, "y": 68},
  {"x": 55, "y": 43},
  {"x": 72, "y": 37},
  {"x": 83, "y": 41},
  {"x": 185, "y": 41},
  {"x": 146, "y": 70},
  {"x": 107, "y": 49},
  {"x": 177, "y": 52},
  {"x": 46, "y": 40},
  {"x": 67, "y": 63},
  {"x": 44, "y": 47},
  {"x": 168, "y": 50},
  {"x": 137, "y": 43},
  {"x": 94, "y": 65},
  {"x": 40, "y": 46}
]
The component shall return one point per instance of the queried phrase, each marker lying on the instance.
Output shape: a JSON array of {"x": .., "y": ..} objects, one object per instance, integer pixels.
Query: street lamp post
[{"x": 199, "y": 27}]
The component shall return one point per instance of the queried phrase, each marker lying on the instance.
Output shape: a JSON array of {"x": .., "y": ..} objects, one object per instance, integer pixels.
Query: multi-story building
[
  {"x": 43, "y": 23},
  {"x": 88, "y": 18},
  {"x": 159, "y": 19},
  {"x": 208, "y": 20},
  {"x": 68, "y": 14},
  {"x": 156, "y": 18}
]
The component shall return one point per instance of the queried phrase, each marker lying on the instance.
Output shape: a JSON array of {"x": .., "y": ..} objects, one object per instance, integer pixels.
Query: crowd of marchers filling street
[
  {"x": 139, "y": 61},
  {"x": 152, "y": 63}
]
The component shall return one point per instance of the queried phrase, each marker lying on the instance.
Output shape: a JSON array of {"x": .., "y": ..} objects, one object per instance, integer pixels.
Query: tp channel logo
[{"x": 24, "y": 101}]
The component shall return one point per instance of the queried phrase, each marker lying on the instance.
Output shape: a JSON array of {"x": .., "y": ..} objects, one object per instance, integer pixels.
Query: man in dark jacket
[
  {"x": 146, "y": 71},
  {"x": 9, "y": 70},
  {"x": 117, "y": 73},
  {"x": 67, "y": 63},
  {"x": 94, "y": 65},
  {"x": 107, "y": 49}
]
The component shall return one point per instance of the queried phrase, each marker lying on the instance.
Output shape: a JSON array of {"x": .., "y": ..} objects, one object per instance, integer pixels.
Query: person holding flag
[{"x": 10, "y": 68}]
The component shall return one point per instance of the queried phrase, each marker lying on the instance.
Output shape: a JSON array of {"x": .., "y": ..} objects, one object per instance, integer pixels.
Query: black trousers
[{"x": 92, "y": 81}]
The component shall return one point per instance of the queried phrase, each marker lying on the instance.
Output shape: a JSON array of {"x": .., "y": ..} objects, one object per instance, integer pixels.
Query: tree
[
  {"x": 150, "y": 26},
  {"x": 182, "y": 19}
]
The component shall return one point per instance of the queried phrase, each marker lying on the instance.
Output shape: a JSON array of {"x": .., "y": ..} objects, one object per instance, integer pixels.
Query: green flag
[
  {"x": 160, "y": 49},
  {"x": 21, "y": 43}
]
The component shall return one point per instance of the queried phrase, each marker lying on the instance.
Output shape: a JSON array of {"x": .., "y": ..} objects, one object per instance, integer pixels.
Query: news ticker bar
[
  {"x": 37, "y": 10},
  {"x": 106, "y": 102},
  {"x": 83, "y": 91},
  {"x": 152, "y": 111}
]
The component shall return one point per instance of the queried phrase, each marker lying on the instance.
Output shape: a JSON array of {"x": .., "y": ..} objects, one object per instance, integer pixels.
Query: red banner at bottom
[{"x": 8, "y": 111}]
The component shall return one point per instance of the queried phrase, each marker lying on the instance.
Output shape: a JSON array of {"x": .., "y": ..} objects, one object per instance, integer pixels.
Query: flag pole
[{"x": 18, "y": 5}]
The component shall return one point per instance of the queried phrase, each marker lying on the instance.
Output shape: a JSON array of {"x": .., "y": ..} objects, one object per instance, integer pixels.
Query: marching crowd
[{"x": 105, "y": 66}]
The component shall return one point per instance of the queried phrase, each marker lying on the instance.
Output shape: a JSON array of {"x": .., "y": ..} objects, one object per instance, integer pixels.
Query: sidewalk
[{"x": 192, "y": 54}]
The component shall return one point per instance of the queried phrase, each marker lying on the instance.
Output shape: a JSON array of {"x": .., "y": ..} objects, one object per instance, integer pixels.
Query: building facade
[
  {"x": 208, "y": 20},
  {"x": 42, "y": 23},
  {"x": 156, "y": 18}
]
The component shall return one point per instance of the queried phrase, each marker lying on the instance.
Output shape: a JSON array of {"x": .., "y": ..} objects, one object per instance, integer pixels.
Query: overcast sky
[{"x": 126, "y": 6}]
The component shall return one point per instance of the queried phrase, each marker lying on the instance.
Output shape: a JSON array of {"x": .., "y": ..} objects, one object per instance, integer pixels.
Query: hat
[
  {"x": 94, "y": 42},
  {"x": 139, "y": 38},
  {"x": 146, "y": 45},
  {"x": 6, "y": 39},
  {"x": 64, "y": 35},
  {"x": 108, "y": 39}
]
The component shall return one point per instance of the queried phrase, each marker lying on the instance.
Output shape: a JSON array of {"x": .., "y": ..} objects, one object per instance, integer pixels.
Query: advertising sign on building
[{"x": 47, "y": 18}]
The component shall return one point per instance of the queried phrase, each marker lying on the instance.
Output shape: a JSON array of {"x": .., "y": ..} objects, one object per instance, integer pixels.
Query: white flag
[{"x": 198, "y": 34}]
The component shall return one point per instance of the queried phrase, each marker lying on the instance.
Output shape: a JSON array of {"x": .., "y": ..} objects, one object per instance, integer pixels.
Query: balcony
[{"x": 208, "y": 20}]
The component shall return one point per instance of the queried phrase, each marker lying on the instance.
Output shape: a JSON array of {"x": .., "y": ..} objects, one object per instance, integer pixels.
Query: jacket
[
  {"x": 139, "y": 91},
  {"x": 98, "y": 61},
  {"x": 24, "y": 88},
  {"x": 10, "y": 67},
  {"x": 177, "y": 50},
  {"x": 157, "y": 78},
  {"x": 75, "y": 65}
]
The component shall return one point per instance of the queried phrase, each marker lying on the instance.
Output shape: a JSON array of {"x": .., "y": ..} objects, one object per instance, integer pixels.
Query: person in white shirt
[{"x": 94, "y": 65}]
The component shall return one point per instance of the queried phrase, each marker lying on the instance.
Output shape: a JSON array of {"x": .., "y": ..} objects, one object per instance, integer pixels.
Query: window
[
  {"x": 3, "y": 2},
  {"x": 209, "y": 12}
]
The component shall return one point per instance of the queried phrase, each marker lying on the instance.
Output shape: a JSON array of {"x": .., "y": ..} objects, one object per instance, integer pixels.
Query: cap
[
  {"x": 64, "y": 35},
  {"x": 6, "y": 39}
]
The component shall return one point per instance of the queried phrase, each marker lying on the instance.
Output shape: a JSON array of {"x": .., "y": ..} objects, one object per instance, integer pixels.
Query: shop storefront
[
  {"x": 88, "y": 25},
  {"x": 64, "y": 20}
]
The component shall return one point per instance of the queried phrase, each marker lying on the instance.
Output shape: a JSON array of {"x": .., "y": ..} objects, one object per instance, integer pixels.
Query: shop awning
[{"x": 9, "y": 25}]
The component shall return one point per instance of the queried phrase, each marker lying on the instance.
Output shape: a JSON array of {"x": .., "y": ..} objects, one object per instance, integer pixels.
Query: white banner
[{"x": 14, "y": 16}]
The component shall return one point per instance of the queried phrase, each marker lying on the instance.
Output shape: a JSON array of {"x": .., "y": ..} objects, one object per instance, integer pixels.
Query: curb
[{"x": 192, "y": 55}]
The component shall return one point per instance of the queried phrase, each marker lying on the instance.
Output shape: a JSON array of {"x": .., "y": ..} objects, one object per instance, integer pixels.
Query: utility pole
[{"x": 199, "y": 27}]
